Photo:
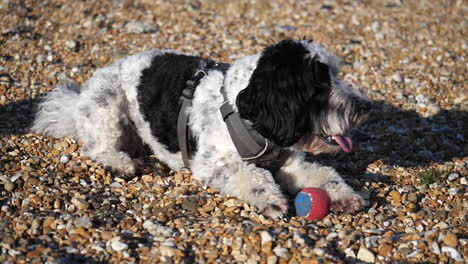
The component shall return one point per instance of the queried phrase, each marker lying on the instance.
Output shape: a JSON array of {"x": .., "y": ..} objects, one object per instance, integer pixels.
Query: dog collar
[{"x": 251, "y": 146}]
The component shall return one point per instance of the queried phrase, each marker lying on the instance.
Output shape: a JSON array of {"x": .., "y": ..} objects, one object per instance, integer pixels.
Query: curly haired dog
[{"x": 288, "y": 94}]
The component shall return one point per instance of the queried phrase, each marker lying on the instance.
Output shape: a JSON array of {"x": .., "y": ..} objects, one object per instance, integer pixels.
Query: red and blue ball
[{"x": 312, "y": 203}]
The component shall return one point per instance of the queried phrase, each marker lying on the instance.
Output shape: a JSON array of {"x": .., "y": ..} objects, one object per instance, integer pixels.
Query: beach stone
[
  {"x": 80, "y": 204},
  {"x": 365, "y": 255},
  {"x": 117, "y": 245},
  {"x": 396, "y": 196},
  {"x": 451, "y": 240},
  {"x": 384, "y": 249},
  {"x": 9, "y": 186}
]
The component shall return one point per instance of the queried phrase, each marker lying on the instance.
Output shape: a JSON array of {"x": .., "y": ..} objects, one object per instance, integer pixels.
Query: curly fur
[{"x": 289, "y": 93}]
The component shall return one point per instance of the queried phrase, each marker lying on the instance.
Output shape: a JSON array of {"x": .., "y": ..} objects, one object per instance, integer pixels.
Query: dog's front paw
[
  {"x": 347, "y": 204},
  {"x": 276, "y": 210}
]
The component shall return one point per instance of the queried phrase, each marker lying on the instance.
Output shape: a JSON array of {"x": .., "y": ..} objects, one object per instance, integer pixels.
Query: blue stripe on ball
[{"x": 303, "y": 204}]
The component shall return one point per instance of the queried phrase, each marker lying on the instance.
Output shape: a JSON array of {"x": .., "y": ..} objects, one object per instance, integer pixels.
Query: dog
[{"x": 289, "y": 95}]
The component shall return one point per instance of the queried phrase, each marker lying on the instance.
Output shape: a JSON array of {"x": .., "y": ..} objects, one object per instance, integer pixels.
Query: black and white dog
[{"x": 289, "y": 94}]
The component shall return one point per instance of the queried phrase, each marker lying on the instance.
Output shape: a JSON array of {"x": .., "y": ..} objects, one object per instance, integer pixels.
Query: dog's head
[{"x": 294, "y": 98}]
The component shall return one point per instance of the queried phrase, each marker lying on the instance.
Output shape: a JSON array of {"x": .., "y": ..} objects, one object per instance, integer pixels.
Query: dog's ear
[{"x": 285, "y": 87}]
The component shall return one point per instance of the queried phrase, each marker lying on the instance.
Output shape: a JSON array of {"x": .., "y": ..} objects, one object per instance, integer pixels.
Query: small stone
[
  {"x": 190, "y": 203},
  {"x": 64, "y": 159},
  {"x": 440, "y": 214},
  {"x": 463, "y": 181},
  {"x": 167, "y": 251},
  {"x": 453, "y": 176},
  {"x": 350, "y": 253},
  {"x": 156, "y": 229},
  {"x": 32, "y": 181},
  {"x": 452, "y": 191},
  {"x": 140, "y": 27},
  {"x": 265, "y": 236},
  {"x": 365, "y": 255},
  {"x": 9, "y": 186},
  {"x": 435, "y": 248},
  {"x": 404, "y": 251},
  {"x": 396, "y": 196},
  {"x": 451, "y": 240},
  {"x": 116, "y": 185},
  {"x": 80, "y": 204},
  {"x": 299, "y": 239},
  {"x": 83, "y": 222},
  {"x": 453, "y": 253},
  {"x": 384, "y": 249},
  {"x": 116, "y": 245},
  {"x": 410, "y": 229},
  {"x": 272, "y": 259},
  {"x": 413, "y": 197},
  {"x": 280, "y": 251},
  {"x": 71, "y": 44},
  {"x": 147, "y": 178}
]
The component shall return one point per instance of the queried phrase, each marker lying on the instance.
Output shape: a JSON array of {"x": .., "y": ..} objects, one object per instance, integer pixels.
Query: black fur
[
  {"x": 159, "y": 94},
  {"x": 285, "y": 91}
]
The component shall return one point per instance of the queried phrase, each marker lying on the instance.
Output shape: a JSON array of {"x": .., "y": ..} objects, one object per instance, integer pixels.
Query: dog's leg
[
  {"x": 99, "y": 116},
  {"x": 297, "y": 174},
  {"x": 251, "y": 184}
]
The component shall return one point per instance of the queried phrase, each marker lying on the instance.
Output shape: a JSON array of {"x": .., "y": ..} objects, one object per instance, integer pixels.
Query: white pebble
[
  {"x": 463, "y": 181},
  {"x": 116, "y": 185},
  {"x": 453, "y": 191},
  {"x": 350, "y": 253},
  {"x": 435, "y": 248},
  {"x": 332, "y": 235},
  {"x": 453, "y": 176},
  {"x": 412, "y": 254},
  {"x": 319, "y": 251},
  {"x": 280, "y": 251},
  {"x": 266, "y": 237},
  {"x": 157, "y": 229},
  {"x": 365, "y": 255},
  {"x": 410, "y": 229},
  {"x": 117, "y": 245},
  {"x": 64, "y": 159},
  {"x": 71, "y": 44},
  {"x": 453, "y": 253}
]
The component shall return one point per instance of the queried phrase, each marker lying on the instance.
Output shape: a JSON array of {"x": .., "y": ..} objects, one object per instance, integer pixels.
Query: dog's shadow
[
  {"x": 16, "y": 117},
  {"x": 402, "y": 138}
]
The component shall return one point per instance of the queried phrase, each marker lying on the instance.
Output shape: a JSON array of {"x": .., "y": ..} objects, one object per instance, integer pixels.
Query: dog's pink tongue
[{"x": 345, "y": 143}]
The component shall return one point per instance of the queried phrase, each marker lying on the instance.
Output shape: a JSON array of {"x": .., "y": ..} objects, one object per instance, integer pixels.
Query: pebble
[
  {"x": 9, "y": 186},
  {"x": 80, "y": 204},
  {"x": 451, "y": 240},
  {"x": 396, "y": 196},
  {"x": 280, "y": 251},
  {"x": 365, "y": 255},
  {"x": 435, "y": 248},
  {"x": 64, "y": 159},
  {"x": 453, "y": 253},
  {"x": 138, "y": 27},
  {"x": 453, "y": 176},
  {"x": 384, "y": 249},
  {"x": 117, "y": 245},
  {"x": 265, "y": 237},
  {"x": 157, "y": 229},
  {"x": 463, "y": 181},
  {"x": 83, "y": 222}
]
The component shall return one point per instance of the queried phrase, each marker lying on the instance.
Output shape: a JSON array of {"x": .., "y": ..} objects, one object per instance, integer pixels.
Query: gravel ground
[{"x": 411, "y": 158}]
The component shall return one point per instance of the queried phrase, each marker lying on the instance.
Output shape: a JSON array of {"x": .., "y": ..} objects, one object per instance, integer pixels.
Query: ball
[{"x": 312, "y": 203}]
